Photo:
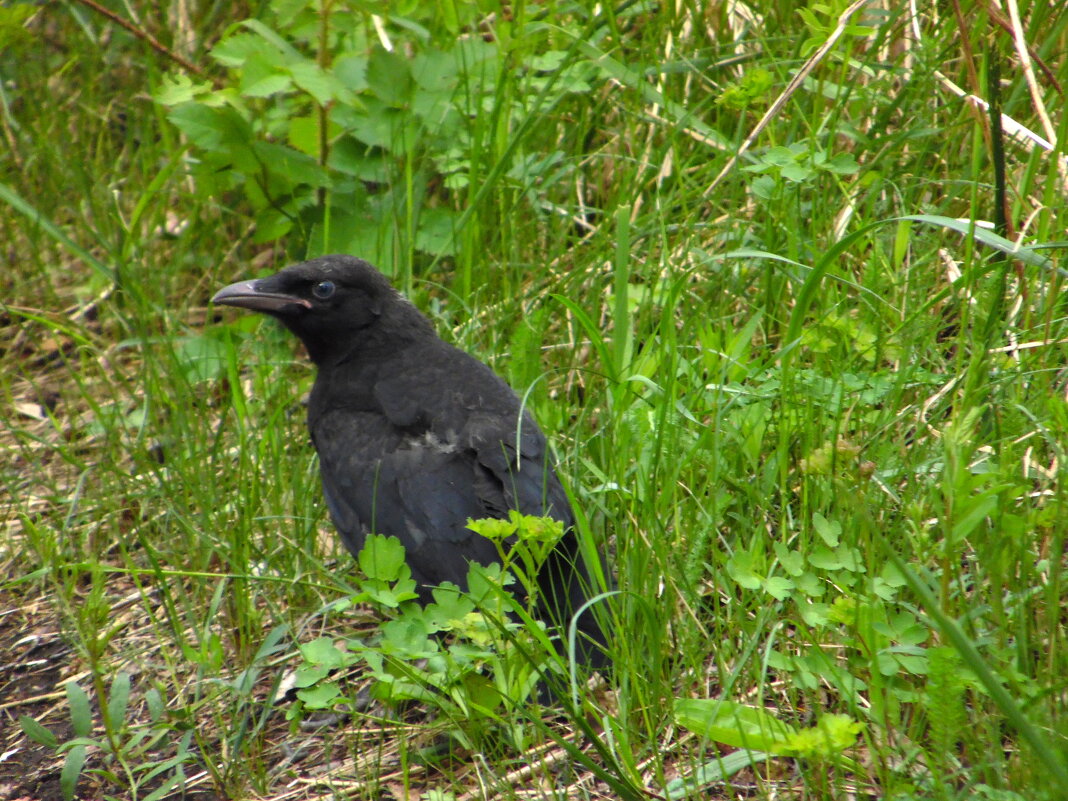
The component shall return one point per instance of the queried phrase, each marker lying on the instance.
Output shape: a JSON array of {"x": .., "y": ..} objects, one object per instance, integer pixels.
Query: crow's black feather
[{"x": 415, "y": 436}]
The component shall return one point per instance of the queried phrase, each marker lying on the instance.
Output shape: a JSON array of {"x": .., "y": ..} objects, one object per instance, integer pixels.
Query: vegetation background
[{"x": 784, "y": 292}]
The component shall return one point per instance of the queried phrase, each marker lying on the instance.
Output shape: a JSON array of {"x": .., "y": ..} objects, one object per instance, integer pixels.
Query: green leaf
[
  {"x": 236, "y": 49},
  {"x": 830, "y": 531},
  {"x": 785, "y": 156},
  {"x": 977, "y": 509},
  {"x": 738, "y": 725},
  {"x": 324, "y": 87},
  {"x": 279, "y": 42},
  {"x": 155, "y": 704},
  {"x": 382, "y": 558},
  {"x": 436, "y": 232},
  {"x": 449, "y": 609},
  {"x": 13, "y": 19},
  {"x": 321, "y": 696},
  {"x": 811, "y": 585},
  {"x": 824, "y": 559},
  {"x": 36, "y": 732},
  {"x": 796, "y": 173},
  {"x": 266, "y": 85},
  {"x": 309, "y": 675},
  {"x": 383, "y": 127},
  {"x": 778, "y": 587},
  {"x": 850, "y": 559},
  {"x": 72, "y": 769},
  {"x": 177, "y": 89},
  {"x": 211, "y": 128},
  {"x": 389, "y": 76},
  {"x": 842, "y": 164},
  {"x": 351, "y": 72},
  {"x": 814, "y": 614},
  {"x": 81, "y": 713},
  {"x": 119, "y": 700},
  {"x": 304, "y": 135},
  {"x": 832, "y": 735},
  {"x": 793, "y": 562},
  {"x": 537, "y": 529},
  {"x": 763, "y": 187},
  {"x": 291, "y": 165},
  {"x": 390, "y": 595},
  {"x": 740, "y": 568},
  {"x": 323, "y": 651},
  {"x": 486, "y": 585},
  {"x": 493, "y": 528},
  {"x": 271, "y": 224},
  {"x": 407, "y": 637},
  {"x": 353, "y": 157}
]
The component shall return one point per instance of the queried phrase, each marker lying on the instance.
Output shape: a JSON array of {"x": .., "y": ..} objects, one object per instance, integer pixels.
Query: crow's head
[{"x": 333, "y": 303}]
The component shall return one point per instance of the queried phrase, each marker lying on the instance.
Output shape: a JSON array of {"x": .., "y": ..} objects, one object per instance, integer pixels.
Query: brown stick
[{"x": 144, "y": 36}]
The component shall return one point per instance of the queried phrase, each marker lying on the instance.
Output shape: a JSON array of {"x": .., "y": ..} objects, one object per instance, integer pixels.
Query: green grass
[{"x": 820, "y": 428}]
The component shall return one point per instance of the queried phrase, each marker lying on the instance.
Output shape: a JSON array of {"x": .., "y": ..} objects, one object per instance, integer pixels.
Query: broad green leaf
[
  {"x": 238, "y": 48},
  {"x": 36, "y": 732},
  {"x": 824, "y": 559},
  {"x": 155, "y": 704},
  {"x": 382, "y": 558},
  {"x": 273, "y": 38},
  {"x": 740, "y": 568},
  {"x": 796, "y": 173},
  {"x": 389, "y": 76},
  {"x": 391, "y": 594},
  {"x": 81, "y": 713},
  {"x": 211, "y": 128},
  {"x": 435, "y": 234},
  {"x": 321, "y": 85},
  {"x": 842, "y": 163},
  {"x": 351, "y": 72},
  {"x": 832, "y": 735},
  {"x": 307, "y": 675},
  {"x": 323, "y": 651},
  {"x": 492, "y": 528},
  {"x": 267, "y": 85},
  {"x": 976, "y": 510},
  {"x": 320, "y": 696},
  {"x": 180, "y": 88},
  {"x": 778, "y": 587},
  {"x": 72, "y": 769},
  {"x": 793, "y": 562},
  {"x": 289, "y": 164},
  {"x": 811, "y": 585},
  {"x": 830, "y": 531},
  {"x": 814, "y": 614},
  {"x": 119, "y": 700},
  {"x": 738, "y": 725}
]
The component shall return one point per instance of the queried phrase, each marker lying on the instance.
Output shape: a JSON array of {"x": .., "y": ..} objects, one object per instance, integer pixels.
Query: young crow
[{"x": 415, "y": 436}]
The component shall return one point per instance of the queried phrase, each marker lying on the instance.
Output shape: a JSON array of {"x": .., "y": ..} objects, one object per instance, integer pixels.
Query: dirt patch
[{"x": 34, "y": 663}]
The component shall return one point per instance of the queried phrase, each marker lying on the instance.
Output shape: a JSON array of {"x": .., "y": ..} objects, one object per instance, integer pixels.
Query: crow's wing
[{"x": 441, "y": 446}]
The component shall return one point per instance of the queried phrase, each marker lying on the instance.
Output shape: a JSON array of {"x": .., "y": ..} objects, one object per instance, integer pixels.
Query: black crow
[{"x": 415, "y": 436}]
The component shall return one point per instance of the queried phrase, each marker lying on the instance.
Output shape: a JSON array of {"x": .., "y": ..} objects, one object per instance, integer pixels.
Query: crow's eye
[{"x": 324, "y": 290}]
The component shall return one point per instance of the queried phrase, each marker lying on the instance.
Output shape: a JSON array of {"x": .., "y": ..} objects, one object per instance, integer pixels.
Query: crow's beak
[{"x": 246, "y": 295}]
